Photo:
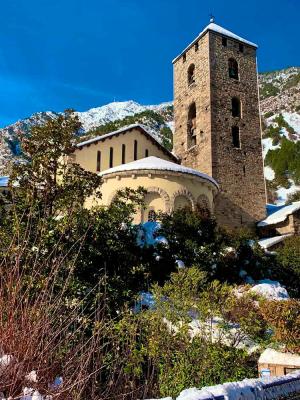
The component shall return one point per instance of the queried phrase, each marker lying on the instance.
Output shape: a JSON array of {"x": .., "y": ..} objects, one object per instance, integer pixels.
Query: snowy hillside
[
  {"x": 280, "y": 109},
  {"x": 111, "y": 112}
]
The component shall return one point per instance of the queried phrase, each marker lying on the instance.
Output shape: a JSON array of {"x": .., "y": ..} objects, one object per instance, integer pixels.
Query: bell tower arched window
[
  {"x": 191, "y": 74},
  {"x": 236, "y": 107},
  {"x": 191, "y": 126},
  {"x": 233, "y": 68}
]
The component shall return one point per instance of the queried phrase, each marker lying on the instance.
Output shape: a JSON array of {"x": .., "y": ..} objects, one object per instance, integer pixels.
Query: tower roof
[{"x": 218, "y": 29}]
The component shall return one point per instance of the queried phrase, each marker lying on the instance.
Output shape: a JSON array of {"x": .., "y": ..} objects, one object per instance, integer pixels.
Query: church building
[{"x": 217, "y": 162}]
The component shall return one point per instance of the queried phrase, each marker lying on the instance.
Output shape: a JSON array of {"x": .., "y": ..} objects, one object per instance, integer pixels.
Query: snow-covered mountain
[
  {"x": 91, "y": 119},
  {"x": 280, "y": 110},
  {"x": 98, "y": 116}
]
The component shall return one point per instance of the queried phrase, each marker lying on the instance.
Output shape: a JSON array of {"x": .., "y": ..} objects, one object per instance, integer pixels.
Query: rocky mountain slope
[
  {"x": 159, "y": 118},
  {"x": 280, "y": 110}
]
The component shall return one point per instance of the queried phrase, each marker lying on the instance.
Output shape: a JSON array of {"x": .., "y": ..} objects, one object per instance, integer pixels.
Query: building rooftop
[
  {"x": 154, "y": 163},
  {"x": 218, "y": 29},
  {"x": 142, "y": 128},
  {"x": 271, "y": 356},
  {"x": 280, "y": 215},
  {"x": 266, "y": 243}
]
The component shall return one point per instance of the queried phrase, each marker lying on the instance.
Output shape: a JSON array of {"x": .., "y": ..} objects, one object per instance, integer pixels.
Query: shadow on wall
[{"x": 230, "y": 215}]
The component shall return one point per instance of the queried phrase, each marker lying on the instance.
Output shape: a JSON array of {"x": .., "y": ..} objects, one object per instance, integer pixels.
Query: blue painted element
[
  {"x": 4, "y": 181},
  {"x": 272, "y": 208}
]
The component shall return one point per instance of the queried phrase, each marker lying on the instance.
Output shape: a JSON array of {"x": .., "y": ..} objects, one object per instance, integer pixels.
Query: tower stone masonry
[{"x": 217, "y": 121}]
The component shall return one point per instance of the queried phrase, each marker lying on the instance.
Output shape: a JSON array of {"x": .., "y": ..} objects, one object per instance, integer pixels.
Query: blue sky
[{"x": 58, "y": 54}]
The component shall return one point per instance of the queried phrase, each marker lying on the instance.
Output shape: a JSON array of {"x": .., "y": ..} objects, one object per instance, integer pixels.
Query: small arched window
[
  {"x": 191, "y": 74},
  {"x": 236, "y": 107},
  {"x": 191, "y": 126},
  {"x": 233, "y": 68},
  {"x": 235, "y": 130}
]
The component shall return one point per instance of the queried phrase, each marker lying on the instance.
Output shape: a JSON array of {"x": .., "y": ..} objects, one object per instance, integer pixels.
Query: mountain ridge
[{"x": 280, "y": 115}]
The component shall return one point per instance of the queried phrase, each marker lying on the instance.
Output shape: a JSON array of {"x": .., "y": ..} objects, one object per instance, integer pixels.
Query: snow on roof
[
  {"x": 4, "y": 181},
  {"x": 216, "y": 28},
  {"x": 280, "y": 215},
  {"x": 155, "y": 163},
  {"x": 270, "y": 356},
  {"x": 265, "y": 243},
  {"x": 124, "y": 129}
]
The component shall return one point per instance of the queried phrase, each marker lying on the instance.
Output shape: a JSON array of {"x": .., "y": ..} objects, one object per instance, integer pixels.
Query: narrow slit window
[
  {"x": 98, "y": 161},
  {"x": 111, "y": 157},
  {"x": 146, "y": 153},
  {"x": 135, "y": 148},
  {"x": 236, "y": 107},
  {"x": 236, "y": 137},
  {"x": 184, "y": 58},
  {"x": 224, "y": 41},
  {"x": 123, "y": 153},
  {"x": 191, "y": 126},
  {"x": 244, "y": 170},
  {"x": 196, "y": 46},
  {"x": 241, "y": 48}
]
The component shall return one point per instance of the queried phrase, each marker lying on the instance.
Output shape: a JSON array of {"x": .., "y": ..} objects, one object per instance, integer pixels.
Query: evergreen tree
[{"x": 47, "y": 178}]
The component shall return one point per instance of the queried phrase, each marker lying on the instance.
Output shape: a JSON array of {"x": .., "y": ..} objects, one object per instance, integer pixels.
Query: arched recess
[
  {"x": 181, "y": 202},
  {"x": 163, "y": 194},
  {"x": 182, "y": 194},
  {"x": 156, "y": 200},
  {"x": 191, "y": 74},
  {"x": 113, "y": 195},
  {"x": 204, "y": 206}
]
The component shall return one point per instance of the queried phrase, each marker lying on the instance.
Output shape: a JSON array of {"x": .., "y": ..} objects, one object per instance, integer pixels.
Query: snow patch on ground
[
  {"x": 283, "y": 193},
  {"x": 271, "y": 290},
  {"x": 268, "y": 145},
  {"x": 293, "y": 119},
  {"x": 269, "y": 173}
]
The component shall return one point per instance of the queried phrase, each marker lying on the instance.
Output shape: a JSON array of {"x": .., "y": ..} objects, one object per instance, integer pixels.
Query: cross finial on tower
[{"x": 212, "y": 18}]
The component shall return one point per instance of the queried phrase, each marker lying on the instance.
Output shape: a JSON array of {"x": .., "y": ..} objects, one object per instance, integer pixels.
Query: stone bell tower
[{"x": 217, "y": 121}]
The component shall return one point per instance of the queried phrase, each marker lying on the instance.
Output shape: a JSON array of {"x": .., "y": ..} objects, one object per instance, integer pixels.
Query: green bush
[
  {"x": 288, "y": 265},
  {"x": 268, "y": 90},
  {"x": 268, "y": 114}
]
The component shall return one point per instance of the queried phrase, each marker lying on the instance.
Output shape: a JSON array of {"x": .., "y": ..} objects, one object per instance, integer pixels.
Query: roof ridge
[{"x": 212, "y": 26}]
